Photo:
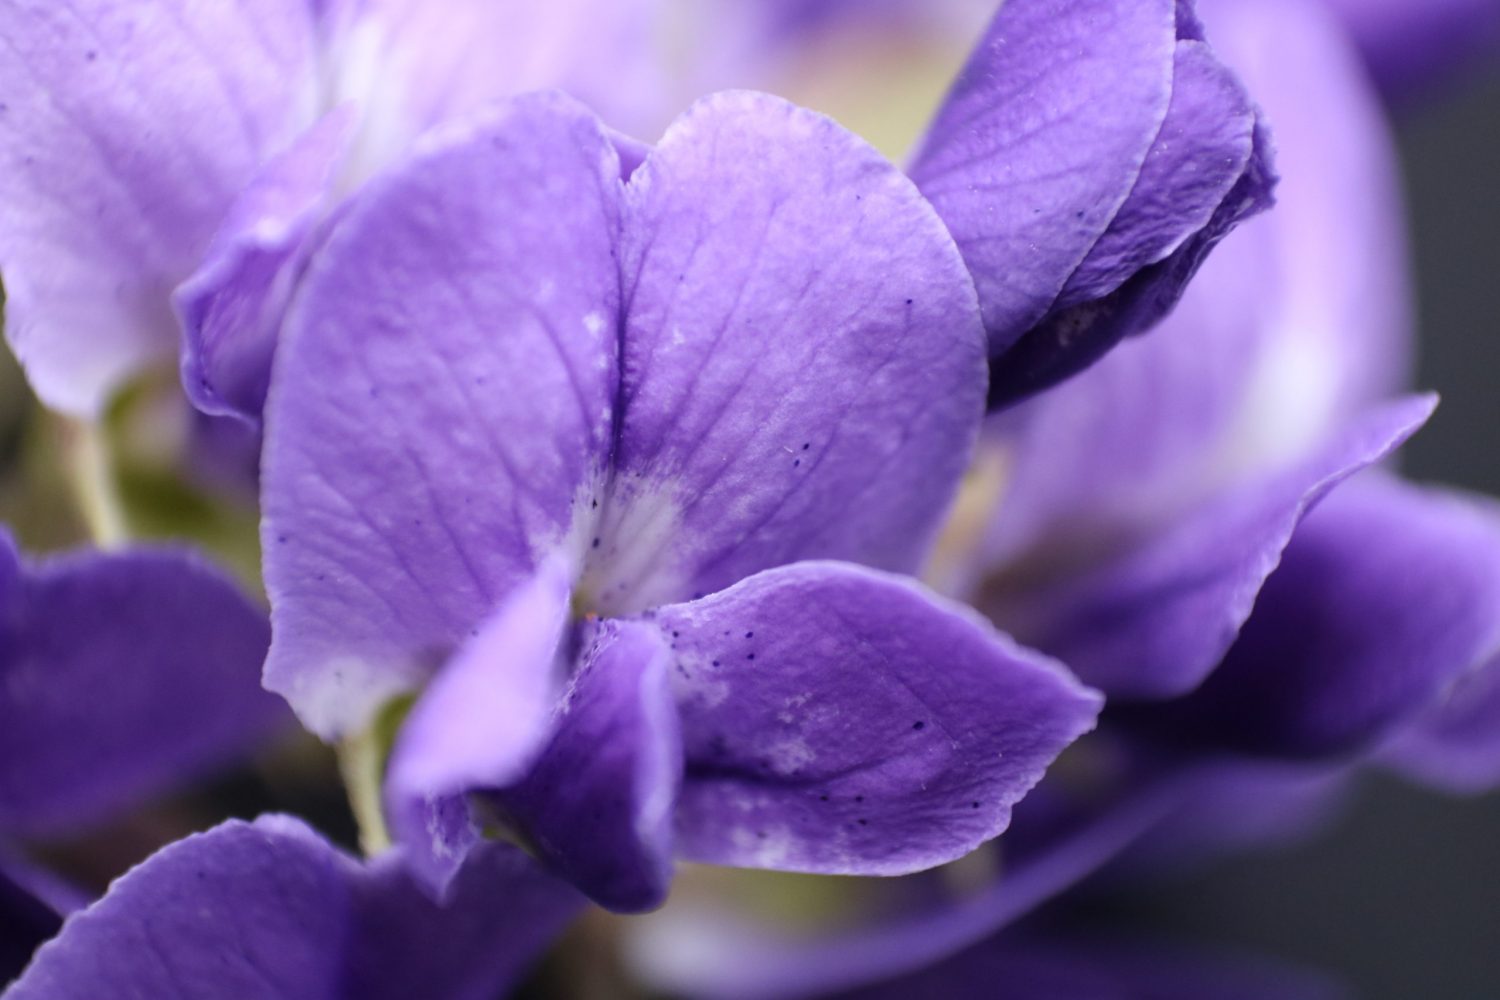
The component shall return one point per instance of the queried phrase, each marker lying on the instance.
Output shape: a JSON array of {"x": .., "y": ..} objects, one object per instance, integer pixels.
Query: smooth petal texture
[
  {"x": 1409, "y": 45},
  {"x": 440, "y": 411},
  {"x": 1387, "y": 595},
  {"x": 232, "y": 305},
  {"x": 598, "y": 805},
  {"x": 269, "y": 910},
  {"x": 842, "y": 721},
  {"x": 414, "y": 64},
  {"x": 803, "y": 364},
  {"x": 480, "y": 724},
  {"x": 121, "y": 675},
  {"x": 126, "y": 130},
  {"x": 1457, "y": 745},
  {"x": 1152, "y": 621}
]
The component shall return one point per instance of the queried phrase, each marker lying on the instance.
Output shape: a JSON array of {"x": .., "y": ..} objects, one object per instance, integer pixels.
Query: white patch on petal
[{"x": 631, "y": 570}]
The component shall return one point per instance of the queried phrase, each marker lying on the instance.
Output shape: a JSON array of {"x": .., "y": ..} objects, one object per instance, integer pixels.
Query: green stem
[
  {"x": 91, "y": 475},
  {"x": 362, "y": 764}
]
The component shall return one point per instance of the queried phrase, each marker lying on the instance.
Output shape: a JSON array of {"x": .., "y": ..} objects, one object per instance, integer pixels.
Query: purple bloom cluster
[{"x": 739, "y": 498}]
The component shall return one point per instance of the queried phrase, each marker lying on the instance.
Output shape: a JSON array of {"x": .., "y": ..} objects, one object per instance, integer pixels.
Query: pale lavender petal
[
  {"x": 1386, "y": 596},
  {"x": 268, "y": 910},
  {"x": 126, "y": 130},
  {"x": 440, "y": 410},
  {"x": 803, "y": 366},
  {"x": 480, "y": 724},
  {"x": 1089, "y": 156},
  {"x": 414, "y": 64},
  {"x": 839, "y": 720},
  {"x": 121, "y": 675},
  {"x": 232, "y": 305},
  {"x": 1154, "y": 620},
  {"x": 598, "y": 806}
]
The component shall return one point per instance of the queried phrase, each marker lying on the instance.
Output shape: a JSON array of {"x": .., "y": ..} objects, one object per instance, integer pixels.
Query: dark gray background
[{"x": 1402, "y": 897}]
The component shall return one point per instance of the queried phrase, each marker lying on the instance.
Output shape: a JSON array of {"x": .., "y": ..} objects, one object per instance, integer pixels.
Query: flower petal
[
  {"x": 440, "y": 409},
  {"x": 1054, "y": 161},
  {"x": 123, "y": 674},
  {"x": 126, "y": 130},
  {"x": 803, "y": 363},
  {"x": 598, "y": 806},
  {"x": 1386, "y": 595},
  {"x": 268, "y": 910},
  {"x": 480, "y": 724},
  {"x": 1411, "y": 44},
  {"x": 232, "y": 305},
  {"x": 1153, "y": 621},
  {"x": 839, "y": 720}
]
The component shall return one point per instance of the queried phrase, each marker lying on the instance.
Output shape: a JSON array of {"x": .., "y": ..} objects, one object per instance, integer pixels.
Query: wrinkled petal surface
[
  {"x": 440, "y": 411},
  {"x": 121, "y": 675},
  {"x": 803, "y": 363},
  {"x": 839, "y": 720},
  {"x": 232, "y": 305},
  {"x": 598, "y": 805},
  {"x": 126, "y": 130},
  {"x": 269, "y": 910},
  {"x": 1153, "y": 621},
  {"x": 480, "y": 724},
  {"x": 1386, "y": 596}
]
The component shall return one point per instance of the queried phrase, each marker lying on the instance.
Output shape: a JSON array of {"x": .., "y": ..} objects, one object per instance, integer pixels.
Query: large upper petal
[
  {"x": 1154, "y": 619},
  {"x": 126, "y": 130},
  {"x": 598, "y": 805},
  {"x": 1384, "y": 599},
  {"x": 120, "y": 675},
  {"x": 803, "y": 361},
  {"x": 1088, "y": 156},
  {"x": 440, "y": 408},
  {"x": 270, "y": 910},
  {"x": 836, "y": 719}
]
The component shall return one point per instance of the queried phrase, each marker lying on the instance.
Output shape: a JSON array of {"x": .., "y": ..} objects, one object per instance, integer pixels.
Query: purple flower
[
  {"x": 144, "y": 144},
  {"x": 755, "y": 363},
  {"x": 1409, "y": 45},
  {"x": 268, "y": 910}
]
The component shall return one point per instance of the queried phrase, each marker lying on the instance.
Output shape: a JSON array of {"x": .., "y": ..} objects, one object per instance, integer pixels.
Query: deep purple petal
[
  {"x": 232, "y": 305},
  {"x": 1386, "y": 596},
  {"x": 803, "y": 365},
  {"x": 1085, "y": 162},
  {"x": 268, "y": 910},
  {"x": 126, "y": 129},
  {"x": 598, "y": 806},
  {"x": 1153, "y": 621},
  {"x": 1296, "y": 323},
  {"x": 27, "y": 916},
  {"x": 1456, "y": 746},
  {"x": 480, "y": 724},
  {"x": 440, "y": 409},
  {"x": 839, "y": 720},
  {"x": 121, "y": 675},
  {"x": 1409, "y": 45}
]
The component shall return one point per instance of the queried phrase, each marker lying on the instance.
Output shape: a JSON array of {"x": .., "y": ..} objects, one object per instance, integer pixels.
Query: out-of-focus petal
[
  {"x": 126, "y": 130},
  {"x": 232, "y": 305},
  {"x": 121, "y": 675},
  {"x": 1457, "y": 745},
  {"x": 1153, "y": 621},
  {"x": 1409, "y": 45},
  {"x": 803, "y": 361},
  {"x": 1386, "y": 596},
  {"x": 1088, "y": 156},
  {"x": 268, "y": 910},
  {"x": 27, "y": 916},
  {"x": 480, "y": 724},
  {"x": 441, "y": 404},
  {"x": 842, "y": 721},
  {"x": 598, "y": 806}
]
